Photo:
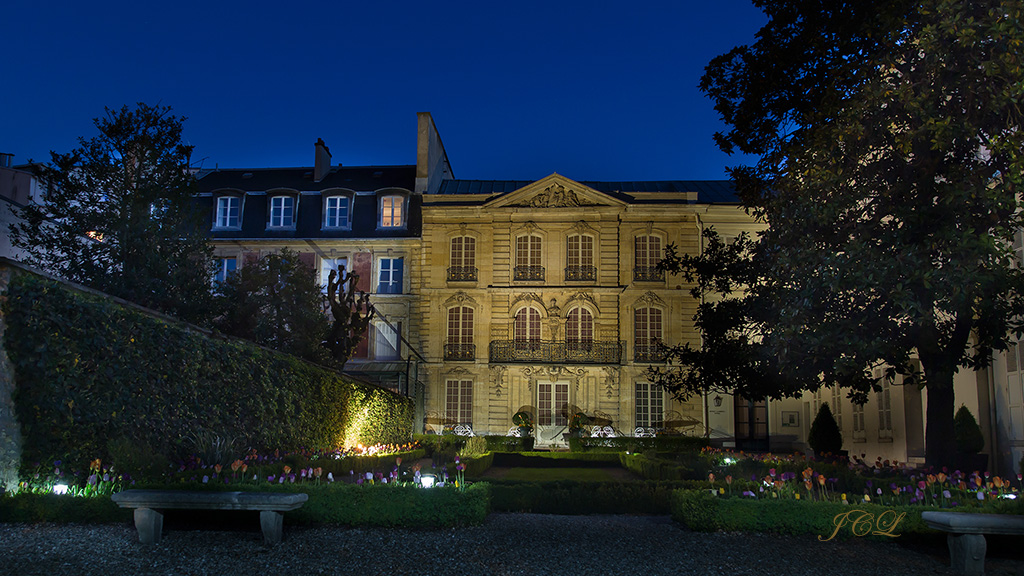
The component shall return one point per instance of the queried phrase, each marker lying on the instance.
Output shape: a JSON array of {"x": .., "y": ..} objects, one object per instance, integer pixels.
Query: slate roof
[
  {"x": 358, "y": 178},
  {"x": 365, "y": 180},
  {"x": 708, "y": 191}
]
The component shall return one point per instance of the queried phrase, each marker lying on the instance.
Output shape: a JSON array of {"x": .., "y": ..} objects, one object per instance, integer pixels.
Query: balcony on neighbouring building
[
  {"x": 648, "y": 274},
  {"x": 580, "y": 273},
  {"x": 649, "y": 353},
  {"x": 556, "y": 352},
  {"x": 462, "y": 273},
  {"x": 528, "y": 273},
  {"x": 460, "y": 351}
]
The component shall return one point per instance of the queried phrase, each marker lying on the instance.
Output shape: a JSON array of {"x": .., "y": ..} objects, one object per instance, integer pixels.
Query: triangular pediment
[{"x": 554, "y": 191}]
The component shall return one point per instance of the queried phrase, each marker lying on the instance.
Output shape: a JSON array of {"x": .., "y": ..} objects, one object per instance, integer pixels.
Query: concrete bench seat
[
  {"x": 150, "y": 523},
  {"x": 966, "y": 536}
]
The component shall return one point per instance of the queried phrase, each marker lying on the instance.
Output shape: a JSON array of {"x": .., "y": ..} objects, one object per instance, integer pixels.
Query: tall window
[
  {"x": 859, "y": 431},
  {"x": 228, "y": 211},
  {"x": 225, "y": 267},
  {"x": 527, "y": 326},
  {"x": 646, "y": 335},
  {"x": 463, "y": 258},
  {"x": 837, "y": 406},
  {"x": 391, "y": 212},
  {"x": 579, "y": 328},
  {"x": 386, "y": 342},
  {"x": 282, "y": 211},
  {"x": 327, "y": 265},
  {"x": 650, "y": 405},
  {"x": 460, "y": 334},
  {"x": 580, "y": 258},
  {"x": 459, "y": 401},
  {"x": 390, "y": 281},
  {"x": 336, "y": 211},
  {"x": 647, "y": 255},
  {"x": 528, "y": 266},
  {"x": 884, "y": 412}
]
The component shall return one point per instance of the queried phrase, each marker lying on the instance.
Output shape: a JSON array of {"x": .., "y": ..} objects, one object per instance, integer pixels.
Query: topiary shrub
[
  {"x": 967, "y": 433},
  {"x": 825, "y": 436}
]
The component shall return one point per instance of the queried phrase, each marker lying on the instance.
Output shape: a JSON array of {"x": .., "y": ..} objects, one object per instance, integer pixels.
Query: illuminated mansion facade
[{"x": 498, "y": 296}]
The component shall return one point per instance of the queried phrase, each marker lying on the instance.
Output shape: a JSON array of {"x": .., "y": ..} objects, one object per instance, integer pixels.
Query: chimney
[
  {"x": 5, "y": 160},
  {"x": 323, "y": 161}
]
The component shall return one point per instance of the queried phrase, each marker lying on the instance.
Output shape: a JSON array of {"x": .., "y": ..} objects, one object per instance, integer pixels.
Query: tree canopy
[
  {"x": 891, "y": 160},
  {"x": 276, "y": 301},
  {"x": 118, "y": 215}
]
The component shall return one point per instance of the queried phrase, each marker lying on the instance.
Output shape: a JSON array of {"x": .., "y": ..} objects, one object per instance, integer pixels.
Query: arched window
[
  {"x": 579, "y": 258},
  {"x": 646, "y": 257},
  {"x": 282, "y": 212},
  {"x": 463, "y": 259},
  {"x": 646, "y": 335},
  {"x": 337, "y": 212},
  {"x": 579, "y": 332},
  {"x": 527, "y": 326},
  {"x": 460, "y": 334},
  {"x": 528, "y": 251}
]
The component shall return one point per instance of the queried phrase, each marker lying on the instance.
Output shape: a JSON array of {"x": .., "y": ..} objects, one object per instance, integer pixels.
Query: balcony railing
[
  {"x": 648, "y": 274},
  {"x": 556, "y": 352},
  {"x": 460, "y": 351},
  {"x": 650, "y": 353},
  {"x": 578, "y": 273},
  {"x": 462, "y": 273},
  {"x": 528, "y": 273}
]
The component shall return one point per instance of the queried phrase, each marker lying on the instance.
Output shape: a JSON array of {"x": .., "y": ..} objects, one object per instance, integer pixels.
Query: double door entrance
[{"x": 552, "y": 413}]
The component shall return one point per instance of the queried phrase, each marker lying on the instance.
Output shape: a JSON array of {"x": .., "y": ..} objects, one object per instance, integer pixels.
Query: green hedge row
[
  {"x": 335, "y": 504},
  {"x": 571, "y": 497},
  {"x": 701, "y": 511},
  {"x": 90, "y": 371},
  {"x": 673, "y": 444}
]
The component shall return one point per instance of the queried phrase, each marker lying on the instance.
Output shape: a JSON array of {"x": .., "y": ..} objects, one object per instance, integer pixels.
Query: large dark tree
[
  {"x": 276, "y": 301},
  {"x": 891, "y": 163},
  {"x": 118, "y": 215}
]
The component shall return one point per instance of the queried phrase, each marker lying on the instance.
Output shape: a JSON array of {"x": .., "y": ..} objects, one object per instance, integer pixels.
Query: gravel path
[{"x": 507, "y": 544}]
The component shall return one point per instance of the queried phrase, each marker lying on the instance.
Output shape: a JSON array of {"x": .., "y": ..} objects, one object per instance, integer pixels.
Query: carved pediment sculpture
[{"x": 555, "y": 196}]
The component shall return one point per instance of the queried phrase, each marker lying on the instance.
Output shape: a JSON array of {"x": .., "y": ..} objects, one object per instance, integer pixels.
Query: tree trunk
[{"x": 940, "y": 448}]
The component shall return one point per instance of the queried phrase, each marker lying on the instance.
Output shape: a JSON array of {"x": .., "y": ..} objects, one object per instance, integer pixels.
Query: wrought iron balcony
[
  {"x": 648, "y": 274},
  {"x": 578, "y": 273},
  {"x": 556, "y": 352},
  {"x": 528, "y": 273},
  {"x": 460, "y": 351},
  {"x": 650, "y": 353},
  {"x": 462, "y": 273}
]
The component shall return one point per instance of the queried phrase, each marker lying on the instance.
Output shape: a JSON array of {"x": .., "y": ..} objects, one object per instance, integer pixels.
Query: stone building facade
[{"x": 544, "y": 297}]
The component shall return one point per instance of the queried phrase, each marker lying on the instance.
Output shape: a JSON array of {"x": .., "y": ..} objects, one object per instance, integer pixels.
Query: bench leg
[
  {"x": 273, "y": 526},
  {"x": 150, "y": 525},
  {"x": 967, "y": 552}
]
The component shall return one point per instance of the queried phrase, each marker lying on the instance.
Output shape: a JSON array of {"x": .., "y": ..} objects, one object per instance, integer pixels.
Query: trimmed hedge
[
  {"x": 29, "y": 507},
  {"x": 673, "y": 444},
  {"x": 700, "y": 511},
  {"x": 571, "y": 497},
  {"x": 91, "y": 370},
  {"x": 328, "y": 504}
]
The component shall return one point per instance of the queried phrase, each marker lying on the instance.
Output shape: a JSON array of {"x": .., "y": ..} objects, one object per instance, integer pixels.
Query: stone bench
[
  {"x": 967, "y": 535},
  {"x": 150, "y": 523}
]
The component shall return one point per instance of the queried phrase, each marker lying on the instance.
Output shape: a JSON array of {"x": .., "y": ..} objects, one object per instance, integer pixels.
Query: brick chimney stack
[{"x": 323, "y": 161}]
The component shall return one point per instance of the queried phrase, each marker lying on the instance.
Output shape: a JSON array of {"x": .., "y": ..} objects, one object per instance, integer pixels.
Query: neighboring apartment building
[
  {"x": 19, "y": 187},
  {"x": 363, "y": 220}
]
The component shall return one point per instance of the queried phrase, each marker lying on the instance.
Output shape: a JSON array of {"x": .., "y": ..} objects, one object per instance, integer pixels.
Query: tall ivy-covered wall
[{"x": 89, "y": 369}]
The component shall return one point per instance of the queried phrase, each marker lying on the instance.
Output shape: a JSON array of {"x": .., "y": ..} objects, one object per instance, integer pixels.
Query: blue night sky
[{"x": 592, "y": 90}]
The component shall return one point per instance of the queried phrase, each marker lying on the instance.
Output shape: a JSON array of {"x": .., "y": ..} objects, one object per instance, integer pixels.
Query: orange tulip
[{"x": 821, "y": 479}]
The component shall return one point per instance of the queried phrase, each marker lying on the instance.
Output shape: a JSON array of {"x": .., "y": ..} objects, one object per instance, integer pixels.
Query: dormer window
[
  {"x": 282, "y": 212},
  {"x": 336, "y": 212},
  {"x": 392, "y": 214},
  {"x": 229, "y": 212}
]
